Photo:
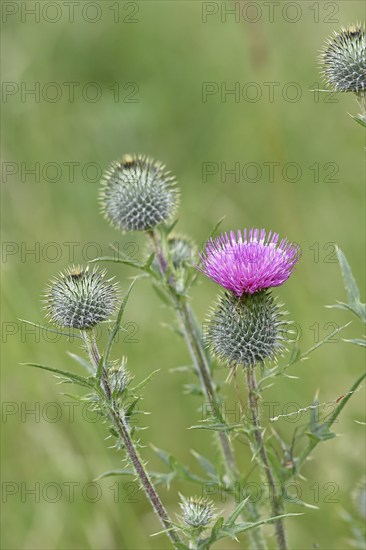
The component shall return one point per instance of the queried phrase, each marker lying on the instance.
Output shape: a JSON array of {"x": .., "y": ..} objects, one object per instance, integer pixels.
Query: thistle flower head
[
  {"x": 196, "y": 511},
  {"x": 247, "y": 330},
  {"x": 343, "y": 60},
  {"x": 138, "y": 194},
  {"x": 80, "y": 298},
  {"x": 249, "y": 261}
]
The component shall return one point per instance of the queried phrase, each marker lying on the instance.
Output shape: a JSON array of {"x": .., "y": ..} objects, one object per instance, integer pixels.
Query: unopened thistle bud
[
  {"x": 196, "y": 512},
  {"x": 118, "y": 377},
  {"x": 80, "y": 298},
  {"x": 247, "y": 330},
  {"x": 181, "y": 250},
  {"x": 343, "y": 60},
  {"x": 138, "y": 194}
]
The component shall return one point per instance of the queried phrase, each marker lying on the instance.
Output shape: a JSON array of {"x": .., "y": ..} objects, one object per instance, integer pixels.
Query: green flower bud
[
  {"x": 247, "y": 330},
  {"x": 138, "y": 194},
  {"x": 181, "y": 250},
  {"x": 118, "y": 377},
  {"x": 196, "y": 512},
  {"x": 80, "y": 298}
]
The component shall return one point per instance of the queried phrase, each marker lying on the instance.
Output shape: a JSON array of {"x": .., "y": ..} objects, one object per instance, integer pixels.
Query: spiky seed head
[
  {"x": 247, "y": 330},
  {"x": 197, "y": 511},
  {"x": 80, "y": 298},
  {"x": 138, "y": 194},
  {"x": 343, "y": 60},
  {"x": 359, "y": 498},
  {"x": 118, "y": 377}
]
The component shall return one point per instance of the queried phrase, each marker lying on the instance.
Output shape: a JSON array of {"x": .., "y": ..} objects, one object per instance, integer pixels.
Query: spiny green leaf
[
  {"x": 236, "y": 513},
  {"x": 117, "y": 472},
  {"x": 131, "y": 407},
  {"x": 215, "y": 531},
  {"x": 166, "y": 229},
  {"x": 87, "y": 382},
  {"x": 70, "y": 335},
  {"x": 83, "y": 362},
  {"x": 222, "y": 530},
  {"x": 118, "y": 260},
  {"x": 357, "y": 341},
  {"x": 180, "y": 471},
  {"x": 137, "y": 389},
  {"x": 208, "y": 467},
  {"x": 331, "y": 419},
  {"x": 217, "y": 427},
  {"x": 163, "y": 455},
  {"x": 359, "y": 119},
  {"x": 117, "y": 324},
  {"x": 353, "y": 294},
  {"x": 193, "y": 389},
  {"x": 215, "y": 228},
  {"x": 299, "y": 502},
  {"x": 233, "y": 530}
]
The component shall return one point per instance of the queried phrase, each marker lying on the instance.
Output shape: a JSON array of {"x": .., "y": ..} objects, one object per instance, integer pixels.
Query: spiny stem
[
  {"x": 121, "y": 426},
  {"x": 199, "y": 358},
  {"x": 203, "y": 370},
  {"x": 204, "y": 374},
  {"x": 275, "y": 498}
]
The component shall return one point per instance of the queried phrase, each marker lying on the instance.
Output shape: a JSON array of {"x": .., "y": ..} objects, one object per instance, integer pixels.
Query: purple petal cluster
[{"x": 249, "y": 261}]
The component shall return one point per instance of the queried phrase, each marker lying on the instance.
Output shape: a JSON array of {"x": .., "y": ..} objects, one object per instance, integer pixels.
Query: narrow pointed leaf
[
  {"x": 236, "y": 513},
  {"x": 350, "y": 285},
  {"x": 357, "y": 341},
  {"x": 136, "y": 389},
  {"x": 83, "y": 362},
  {"x": 117, "y": 324},
  {"x": 69, "y": 375},
  {"x": 54, "y": 331}
]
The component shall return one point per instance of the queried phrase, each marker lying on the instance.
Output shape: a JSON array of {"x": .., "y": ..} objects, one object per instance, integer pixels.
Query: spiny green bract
[
  {"x": 80, "y": 298},
  {"x": 196, "y": 511},
  {"x": 246, "y": 331},
  {"x": 343, "y": 60},
  {"x": 138, "y": 194}
]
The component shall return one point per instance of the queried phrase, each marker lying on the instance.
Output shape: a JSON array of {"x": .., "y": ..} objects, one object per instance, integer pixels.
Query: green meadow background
[{"x": 149, "y": 62}]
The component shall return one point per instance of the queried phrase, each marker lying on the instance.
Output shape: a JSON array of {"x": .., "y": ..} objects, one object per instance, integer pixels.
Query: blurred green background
[{"x": 149, "y": 62}]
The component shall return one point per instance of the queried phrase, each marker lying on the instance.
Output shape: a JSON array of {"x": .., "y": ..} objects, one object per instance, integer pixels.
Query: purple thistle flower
[{"x": 249, "y": 261}]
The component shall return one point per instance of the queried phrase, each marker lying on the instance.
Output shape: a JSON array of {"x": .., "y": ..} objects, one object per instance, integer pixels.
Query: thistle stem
[
  {"x": 275, "y": 498},
  {"x": 199, "y": 358},
  {"x": 121, "y": 426},
  {"x": 203, "y": 369}
]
